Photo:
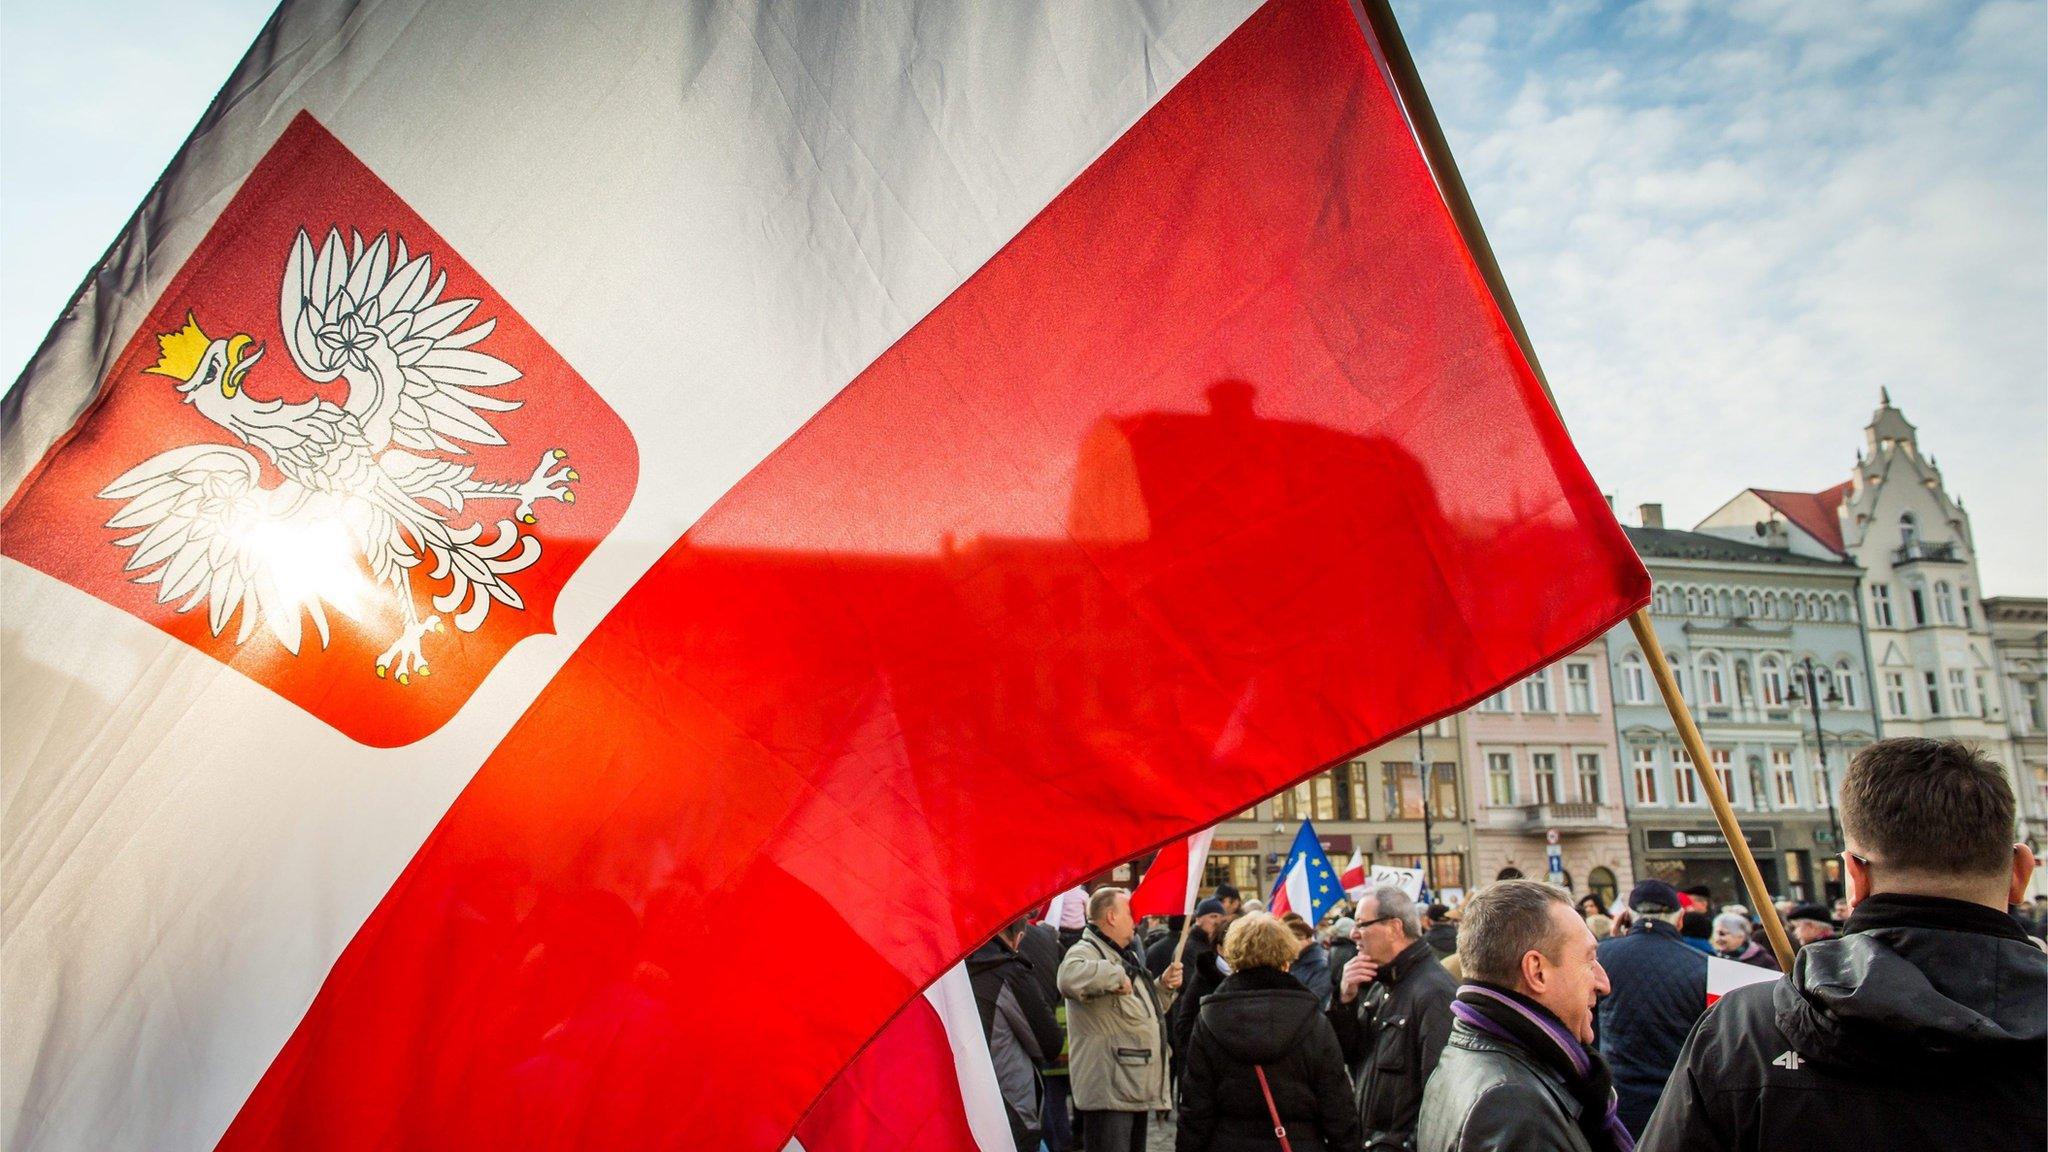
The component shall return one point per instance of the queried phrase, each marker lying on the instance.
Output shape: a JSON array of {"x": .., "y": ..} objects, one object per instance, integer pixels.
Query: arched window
[
  {"x": 1635, "y": 680},
  {"x": 1799, "y": 607},
  {"x": 1845, "y": 683},
  {"x": 1692, "y": 601},
  {"x": 1600, "y": 882},
  {"x": 1944, "y": 602},
  {"x": 1909, "y": 530},
  {"x": 1784, "y": 606},
  {"x": 1770, "y": 677},
  {"x": 1712, "y": 689},
  {"x": 1756, "y": 607},
  {"x": 1661, "y": 602}
]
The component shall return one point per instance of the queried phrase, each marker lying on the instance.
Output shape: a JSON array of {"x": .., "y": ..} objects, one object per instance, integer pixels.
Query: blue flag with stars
[{"x": 1308, "y": 883}]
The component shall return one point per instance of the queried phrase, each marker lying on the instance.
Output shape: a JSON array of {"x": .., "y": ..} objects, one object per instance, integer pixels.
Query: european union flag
[{"x": 1308, "y": 882}]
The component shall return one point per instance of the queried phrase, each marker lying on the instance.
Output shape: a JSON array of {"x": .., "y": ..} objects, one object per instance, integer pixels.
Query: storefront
[{"x": 1698, "y": 854}]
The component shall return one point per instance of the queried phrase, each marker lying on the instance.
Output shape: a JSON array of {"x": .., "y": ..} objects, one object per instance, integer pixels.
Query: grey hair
[
  {"x": 1391, "y": 901},
  {"x": 1101, "y": 901},
  {"x": 1733, "y": 922},
  {"x": 1504, "y": 922}
]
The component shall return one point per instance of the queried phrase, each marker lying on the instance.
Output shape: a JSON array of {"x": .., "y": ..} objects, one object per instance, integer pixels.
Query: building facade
[
  {"x": 1373, "y": 803},
  {"x": 1753, "y": 632},
  {"x": 2019, "y": 641},
  {"x": 1543, "y": 761}
]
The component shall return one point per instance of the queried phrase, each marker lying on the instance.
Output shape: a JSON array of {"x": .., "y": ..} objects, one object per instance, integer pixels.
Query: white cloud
[{"x": 1728, "y": 227}]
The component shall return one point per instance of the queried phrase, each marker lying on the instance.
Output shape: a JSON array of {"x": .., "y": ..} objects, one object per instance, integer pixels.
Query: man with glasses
[
  {"x": 1392, "y": 1014},
  {"x": 1923, "y": 1025}
]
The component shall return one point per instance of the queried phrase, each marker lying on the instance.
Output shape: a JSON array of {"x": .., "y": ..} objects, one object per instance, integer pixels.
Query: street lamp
[
  {"x": 1827, "y": 781},
  {"x": 1428, "y": 838}
]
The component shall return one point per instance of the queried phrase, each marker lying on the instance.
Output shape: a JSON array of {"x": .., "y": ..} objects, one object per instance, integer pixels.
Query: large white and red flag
[
  {"x": 926, "y": 1084},
  {"x": 573, "y": 559}
]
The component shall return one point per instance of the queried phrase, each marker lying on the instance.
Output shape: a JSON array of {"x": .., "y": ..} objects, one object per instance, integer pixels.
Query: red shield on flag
[{"x": 333, "y": 457}]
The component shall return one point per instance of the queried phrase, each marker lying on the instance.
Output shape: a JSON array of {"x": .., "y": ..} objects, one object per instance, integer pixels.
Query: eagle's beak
[{"x": 238, "y": 364}]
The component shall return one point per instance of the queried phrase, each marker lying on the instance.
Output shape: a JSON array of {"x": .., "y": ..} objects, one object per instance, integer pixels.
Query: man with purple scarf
[{"x": 1520, "y": 1070}]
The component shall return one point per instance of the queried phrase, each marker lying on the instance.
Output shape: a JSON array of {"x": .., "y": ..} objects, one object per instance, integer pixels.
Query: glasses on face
[{"x": 1364, "y": 924}]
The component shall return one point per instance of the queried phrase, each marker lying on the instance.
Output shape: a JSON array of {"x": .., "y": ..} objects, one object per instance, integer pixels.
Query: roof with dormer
[{"x": 1816, "y": 513}]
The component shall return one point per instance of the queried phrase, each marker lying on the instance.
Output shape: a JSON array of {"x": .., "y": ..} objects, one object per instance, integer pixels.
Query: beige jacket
[{"x": 1116, "y": 1044}]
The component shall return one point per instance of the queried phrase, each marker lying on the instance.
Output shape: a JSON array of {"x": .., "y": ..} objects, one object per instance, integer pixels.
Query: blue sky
[{"x": 1727, "y": 224}]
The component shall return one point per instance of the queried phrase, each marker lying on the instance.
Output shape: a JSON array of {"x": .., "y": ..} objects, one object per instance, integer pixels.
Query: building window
[
  {"x": 1443, "y": 790},
  {"x": 1500, "y": 779},
  {"x": 1959, "y": 691},
  {"x": 1589, "y": 778},
  {"x": 1909, "y": 530},
  {"x": 1543, "y": 766},
  {"x": 1358, "y": 787},
  {"x": 1536, "y": 692},
  {"x": 1881, "y": 605},
  {"x": 1403, "y": 789},
  {"x": 1645, "y": 773},
  {"x": 1933, "y": 695},
  {"x": 1724, "y": 767},
  {"x": 1498, "y": 702},
  {"x": 1919, "y": 598},
  {"x": 2030, "y": 707},
  {"x": 1784, "y": 778},
  {"x": 1685, "y": 779},
  {"x": 1963, "y": 599},
  {"x": 1712, "y": 690},
  {"x": 1635, "y": 680},
  {"x": 1944, "y": 602},
  {"x": 1895, "y": 706},
  {"x": 1845, "y": 682},
  {"x": 1578, "y": 687},
  {"x": 1820, "y": 784},
  {"x": 1771, "y": 678},
  {"x": 1983, "y": 696}
]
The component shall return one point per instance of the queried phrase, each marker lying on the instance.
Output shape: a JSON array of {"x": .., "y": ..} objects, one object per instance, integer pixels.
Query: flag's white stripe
[
  {"x": 184, "y": 853},
  {"x": 1198, "y": 859},
  {"x": 1299, "y": 899}
]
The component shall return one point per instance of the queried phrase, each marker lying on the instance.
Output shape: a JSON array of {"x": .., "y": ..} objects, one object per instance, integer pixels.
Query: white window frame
[
  {"x": 1944, "y": 603},
  {"x": 1586, "y": 768},
  {"x": 1537, "y": 776},
  {"x": 1635, "y": 680},
  {"x": 1685, "y": 780},
  {"x": 1536, "y": 691},
  {"x": 1723, "y": 763},
  {"x": 1578, "y": 678},
  {"x": 1898, "y": 698},
  {"x": 1713, "y": 682},
  {"x": 1845, "y": 683},
  {"x": 1496, "y": 760},
  {"x": 1784, "y": 778},
  {"x": 1643, "y": 773},
  {"x": 1959, "y": 691},
  {"x": 1881, "y": 605},
  {"x": 1770, "y": 681}
]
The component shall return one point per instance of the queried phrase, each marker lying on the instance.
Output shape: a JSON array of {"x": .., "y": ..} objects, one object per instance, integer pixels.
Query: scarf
[{"x": 1520, "y": 1021}]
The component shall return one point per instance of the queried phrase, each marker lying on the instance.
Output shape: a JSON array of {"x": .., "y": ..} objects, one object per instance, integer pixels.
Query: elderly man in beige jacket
[{"x": 1116, "y": 1014}]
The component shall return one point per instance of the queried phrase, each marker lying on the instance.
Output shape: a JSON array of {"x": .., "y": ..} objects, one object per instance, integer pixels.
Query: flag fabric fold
[
  {"x": 1171, "y": 885},
  {"x": 1308, "y": 884},
  {"x": 1033, "y": 417}
]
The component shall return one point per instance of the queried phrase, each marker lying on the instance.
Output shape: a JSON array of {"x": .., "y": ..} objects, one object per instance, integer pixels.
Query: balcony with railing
[
  {"x": 1915, "y": 551},
  {"x": 1574, "y": 817}
]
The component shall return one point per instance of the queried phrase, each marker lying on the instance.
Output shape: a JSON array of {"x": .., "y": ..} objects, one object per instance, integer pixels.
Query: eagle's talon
[
  {"x": 404, "y": 657},
  {"x": 550, "y": 481}
]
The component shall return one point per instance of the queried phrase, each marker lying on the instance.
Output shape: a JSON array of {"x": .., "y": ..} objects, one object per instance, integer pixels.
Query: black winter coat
[
  {"x": 1264, "y": 1017},
  {"x": 1659, "y": 990},
  {"x": 1394, "y": 1032},
  {"x": 1489, "y": 1095},
  {"x": 1924, "y": 1026}
]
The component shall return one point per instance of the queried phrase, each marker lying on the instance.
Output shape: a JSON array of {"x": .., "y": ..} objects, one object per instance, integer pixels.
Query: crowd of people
[{"x": 1915, "y": 1014}]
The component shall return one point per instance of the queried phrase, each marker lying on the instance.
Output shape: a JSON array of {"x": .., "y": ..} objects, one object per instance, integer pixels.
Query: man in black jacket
[
  {"x": 1023, "y": 1034},
  {"x": 1392, "y": 1014},
  {"x": 1925, "y": 1024},
  {"x": 1659, "y": 987}
]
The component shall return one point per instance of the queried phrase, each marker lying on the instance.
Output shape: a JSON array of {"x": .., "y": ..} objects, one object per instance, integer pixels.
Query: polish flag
[
  {"x": 1353, "y": 877},
  {"x": 870, "y": 465},
  {"x": 1174, "y": 880},
  {"x": 1725, "y": 976},
  {"x": 925, "y": 1084}
]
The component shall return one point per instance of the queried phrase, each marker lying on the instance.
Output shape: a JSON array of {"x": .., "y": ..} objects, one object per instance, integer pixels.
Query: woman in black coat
[{"x": 1262, "y": 1017}]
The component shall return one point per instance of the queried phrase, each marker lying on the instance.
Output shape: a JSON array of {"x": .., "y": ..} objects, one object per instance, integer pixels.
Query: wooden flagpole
[{"x": 1429, "y": 134}]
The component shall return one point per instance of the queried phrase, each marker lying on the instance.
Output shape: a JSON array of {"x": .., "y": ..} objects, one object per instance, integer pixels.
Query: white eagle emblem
[{"x": 381, "y": 480}]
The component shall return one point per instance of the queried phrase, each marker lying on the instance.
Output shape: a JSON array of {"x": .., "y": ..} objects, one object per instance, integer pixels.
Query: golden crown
[{"x": 181, "y": 351}]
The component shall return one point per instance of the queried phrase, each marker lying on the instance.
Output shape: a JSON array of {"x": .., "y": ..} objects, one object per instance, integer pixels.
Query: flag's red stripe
[
  {"x": 901, "y": 1095},
  {"x": 1273, "y": 485},
  {"x": 1164, "y": 890}
]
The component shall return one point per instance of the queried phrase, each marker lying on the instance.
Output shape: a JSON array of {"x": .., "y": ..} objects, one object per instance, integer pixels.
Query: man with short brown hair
[
  {"x": 1925, "y": 1024},
  {"x": 1520, "y": 1071}
]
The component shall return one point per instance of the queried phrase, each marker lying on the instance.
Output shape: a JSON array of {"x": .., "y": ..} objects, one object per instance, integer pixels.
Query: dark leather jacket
[
  {"x": 1393, "y": 1033},
  {"x": 1490, "y": 1096},
  {"x": 1923, "y": 1026}
]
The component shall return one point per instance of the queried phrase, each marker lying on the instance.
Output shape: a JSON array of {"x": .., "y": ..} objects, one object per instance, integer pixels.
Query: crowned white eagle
[{"x": 380, "y": 480}]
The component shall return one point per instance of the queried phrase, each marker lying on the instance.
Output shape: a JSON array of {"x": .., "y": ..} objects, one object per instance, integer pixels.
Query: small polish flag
[
  {"x": 1174, "y": 879},
  {"x": 1353, "y": 877},
  {"x": 1725, "y": 976}
]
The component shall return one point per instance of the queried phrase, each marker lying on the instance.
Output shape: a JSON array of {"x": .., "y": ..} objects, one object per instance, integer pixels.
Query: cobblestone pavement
[{"x": 1159, "y": 1135}]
